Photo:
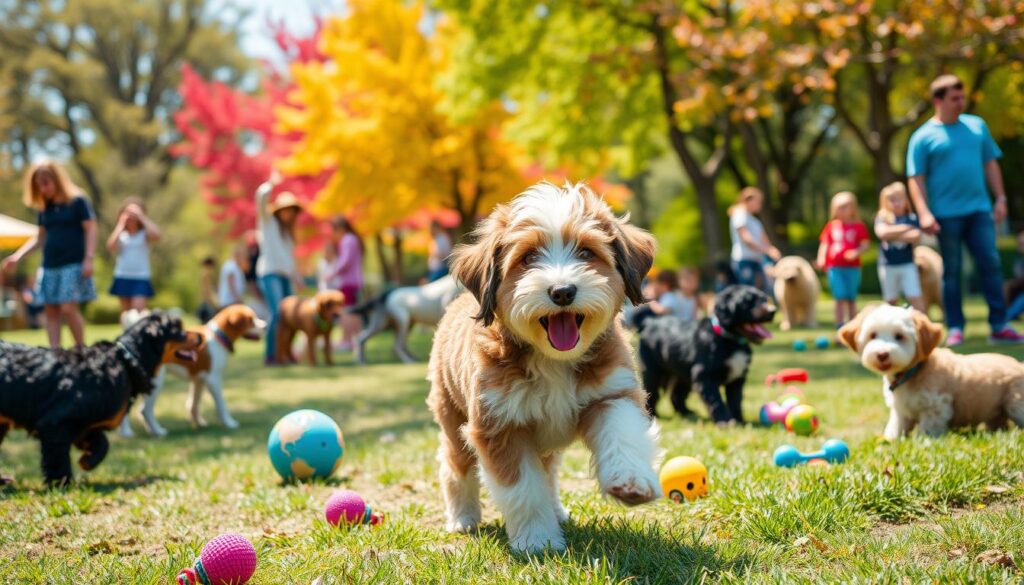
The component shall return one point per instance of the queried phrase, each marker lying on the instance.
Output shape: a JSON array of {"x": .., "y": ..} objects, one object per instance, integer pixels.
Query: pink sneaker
[
  {"x": 955, "y": 337},
  {"x": 1006, "y": 335}
]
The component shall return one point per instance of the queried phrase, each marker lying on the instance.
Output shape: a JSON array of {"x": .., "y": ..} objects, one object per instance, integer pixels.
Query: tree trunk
[
  {"x": 703, "y": 176},
  {"x": 884, "y": 173},
  {"x": 378, "y": 241},
  {"x": 399, "y": 271},
  {"x": 711, "y": 230}
]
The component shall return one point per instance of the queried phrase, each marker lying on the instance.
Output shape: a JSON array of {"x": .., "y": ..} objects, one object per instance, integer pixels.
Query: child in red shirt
[{"x": 843, "y": 241}]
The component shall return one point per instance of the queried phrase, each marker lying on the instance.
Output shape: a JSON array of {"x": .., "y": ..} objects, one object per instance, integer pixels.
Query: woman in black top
[{"x": 67, "y": 235}]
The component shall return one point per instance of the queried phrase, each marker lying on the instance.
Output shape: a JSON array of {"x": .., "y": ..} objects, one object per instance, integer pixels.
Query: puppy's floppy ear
[
  {"x": 929, "y": 335},
  {"x": 478, "y": 265},
  {"x": 848, "y": 333},
  {"x": 634, "y": 255}
]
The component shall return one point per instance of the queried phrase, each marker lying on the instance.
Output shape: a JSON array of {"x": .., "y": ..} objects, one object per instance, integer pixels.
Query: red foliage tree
[{"x": 230, "y": 135}]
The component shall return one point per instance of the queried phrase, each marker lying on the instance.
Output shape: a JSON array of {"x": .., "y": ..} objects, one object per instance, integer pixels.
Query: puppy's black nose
[
  {"x": 883, "y": 356},
  {"x": 562, "y": 294}
]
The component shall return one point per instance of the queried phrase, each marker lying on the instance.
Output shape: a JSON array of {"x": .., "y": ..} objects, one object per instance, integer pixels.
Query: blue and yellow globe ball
[{"x": 305, "y": 444}]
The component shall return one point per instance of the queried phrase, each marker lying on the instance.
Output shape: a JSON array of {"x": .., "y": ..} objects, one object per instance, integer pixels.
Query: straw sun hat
[{"x": 284, "y": 200}]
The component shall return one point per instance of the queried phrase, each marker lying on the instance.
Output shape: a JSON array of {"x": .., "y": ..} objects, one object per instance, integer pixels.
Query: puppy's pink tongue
[
  {"x": 563, "y": 333},
  {"x": 764, "y": 333}
]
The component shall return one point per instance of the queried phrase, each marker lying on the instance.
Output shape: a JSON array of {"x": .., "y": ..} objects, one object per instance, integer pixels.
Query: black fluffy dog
[
  {"x": 705, "y": 354},
  {"x": 70, "y": 397}
]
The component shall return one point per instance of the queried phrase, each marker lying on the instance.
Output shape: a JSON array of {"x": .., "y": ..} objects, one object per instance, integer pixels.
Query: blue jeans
[
  {"x": 750, "y": 272},
  {"x": 274, "y": 288},
  {"x": 978, "y": 232}
]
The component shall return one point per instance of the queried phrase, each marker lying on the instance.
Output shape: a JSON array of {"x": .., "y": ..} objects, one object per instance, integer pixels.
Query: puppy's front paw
[
  {"x": 536, "y": 537},
  {"x": 560, "y": 512},
  {"x": 633, "y": 488},
  {"x": 464, "y": 524}
]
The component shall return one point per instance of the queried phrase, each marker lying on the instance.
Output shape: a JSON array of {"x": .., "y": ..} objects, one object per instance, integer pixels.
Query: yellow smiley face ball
[{"x": 684, "y": 477}]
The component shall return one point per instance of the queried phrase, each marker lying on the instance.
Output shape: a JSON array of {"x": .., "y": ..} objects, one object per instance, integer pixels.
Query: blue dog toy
[
  {"x": 800, "y": 345},
  {"x": 832, "y": 451},
  {"x": 821, "y": 342}
]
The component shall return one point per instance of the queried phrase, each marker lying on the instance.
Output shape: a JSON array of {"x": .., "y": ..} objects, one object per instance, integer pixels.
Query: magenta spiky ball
[{"x": 228, "y": 559}]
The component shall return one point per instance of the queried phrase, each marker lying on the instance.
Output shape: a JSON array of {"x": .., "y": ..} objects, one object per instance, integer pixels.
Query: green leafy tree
[{"x": 98, "y": 78}]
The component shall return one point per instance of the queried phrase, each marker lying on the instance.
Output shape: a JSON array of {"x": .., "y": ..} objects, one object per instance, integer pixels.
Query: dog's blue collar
[
  {"x": 128, "y": 353},
  {"x": 222, "y": 337},
  {"x": 902, "y": 377},
  {"x": 720, "y": 331}
]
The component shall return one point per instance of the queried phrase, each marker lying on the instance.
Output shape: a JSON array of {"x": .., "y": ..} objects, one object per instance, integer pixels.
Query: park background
[{"x": 393, "y": 113}]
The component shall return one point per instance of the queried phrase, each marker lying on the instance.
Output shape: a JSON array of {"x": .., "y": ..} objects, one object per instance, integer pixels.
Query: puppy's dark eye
[
  {"x": 530, "y": 258},
  {"x": 899, "y": 337},
  {"x": 872, "y": 336},
  {"x": 585, "y": 254}
]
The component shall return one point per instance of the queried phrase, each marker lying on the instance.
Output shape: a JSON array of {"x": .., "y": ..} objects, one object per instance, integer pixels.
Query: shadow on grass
[
  {"x": 83, "y": 484},
  {"x": 620, "y": 551}
]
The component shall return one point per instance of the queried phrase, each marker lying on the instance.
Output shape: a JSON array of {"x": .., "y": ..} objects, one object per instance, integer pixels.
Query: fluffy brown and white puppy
[
  {"x": 533, "y": 357},
  {"x": 928, "y": 387},
  {"x": 315, "y": 317},
  {"x": 796, "y": 290}
]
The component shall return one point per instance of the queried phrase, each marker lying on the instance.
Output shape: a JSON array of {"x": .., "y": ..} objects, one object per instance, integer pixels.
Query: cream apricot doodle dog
[
  {"x": 533, "y": 357},
  {"x": 933, "y": 388}
]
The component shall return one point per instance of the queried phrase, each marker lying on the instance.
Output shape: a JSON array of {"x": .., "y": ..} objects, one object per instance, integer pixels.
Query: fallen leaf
[
  {"x": 996, "y": 489},
  {"x": 956, "y": 552},
  {"x": 996, "y": 557},
  {"x": 818, "y": 543},
  {"x": 801, "y": 541},
  {"x": 980, "y": 506}
]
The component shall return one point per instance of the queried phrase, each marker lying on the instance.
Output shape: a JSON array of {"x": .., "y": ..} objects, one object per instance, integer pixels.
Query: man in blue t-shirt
[{"x": 952, "y": 164}]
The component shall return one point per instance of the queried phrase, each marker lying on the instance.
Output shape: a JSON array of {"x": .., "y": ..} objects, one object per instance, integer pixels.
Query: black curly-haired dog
[
  {"x": 70, "y": 397},
  {"x": 705, "y": 354}
]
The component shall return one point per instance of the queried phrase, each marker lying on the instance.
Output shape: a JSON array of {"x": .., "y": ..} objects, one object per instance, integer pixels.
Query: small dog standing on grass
[
  {"x": 205, "y": 371},
  {"x": 929, "y": 387},
  {"x": 315, "y": 317},
  {"x": 535, "y": 358},
  {"x": 70, "y": 397},
  {"x": 797, "y": 290},
  {"x": 706, "y": 354}
]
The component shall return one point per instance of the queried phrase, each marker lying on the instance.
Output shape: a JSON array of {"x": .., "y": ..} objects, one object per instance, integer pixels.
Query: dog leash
[
  {"x": 904, "y": 376},
  {"x": 720, "y": 331}
]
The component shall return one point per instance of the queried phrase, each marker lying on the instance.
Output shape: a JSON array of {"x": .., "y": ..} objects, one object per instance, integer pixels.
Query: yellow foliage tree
[{"x": 371, "y": 115}]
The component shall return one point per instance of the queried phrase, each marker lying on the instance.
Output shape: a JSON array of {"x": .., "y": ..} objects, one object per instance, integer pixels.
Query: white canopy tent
[{"x": 14, "y": 232}]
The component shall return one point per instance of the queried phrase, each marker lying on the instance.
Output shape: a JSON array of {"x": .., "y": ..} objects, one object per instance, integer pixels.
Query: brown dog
[
  {"x": 535, "y": 358},
  {"x": 314, "y": 317},
  {"x": 797, "y": 290},
  {"x": 929, "y": 269},
  {"x": 928, "y": 387},
  {"x": 206, "y": 371}
]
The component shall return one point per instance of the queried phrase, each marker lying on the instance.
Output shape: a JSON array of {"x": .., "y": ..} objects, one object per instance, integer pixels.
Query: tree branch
[
  {"x": 802, "y": 167},
  {"x": 845, "y": 114}
]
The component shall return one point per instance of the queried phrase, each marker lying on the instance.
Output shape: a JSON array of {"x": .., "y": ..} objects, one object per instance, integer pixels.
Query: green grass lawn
[{"x": 914, "y": 511}]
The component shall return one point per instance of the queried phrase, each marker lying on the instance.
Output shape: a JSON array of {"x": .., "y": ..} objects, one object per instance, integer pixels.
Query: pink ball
[
  {"x": 347, "y": 504},
  {"x": 228, "y": 559}
]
